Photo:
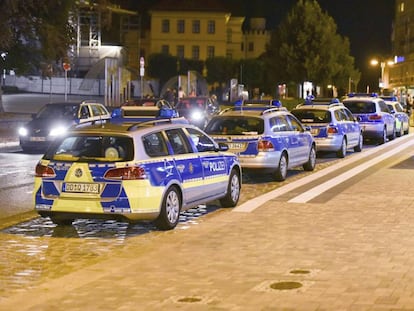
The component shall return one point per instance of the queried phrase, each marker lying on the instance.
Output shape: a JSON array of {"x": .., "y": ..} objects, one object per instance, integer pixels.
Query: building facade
[{"x": 400, "y": 75}]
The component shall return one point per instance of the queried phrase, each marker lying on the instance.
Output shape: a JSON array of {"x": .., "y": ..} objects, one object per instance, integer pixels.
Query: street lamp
[{"x": 382, "y": 63}]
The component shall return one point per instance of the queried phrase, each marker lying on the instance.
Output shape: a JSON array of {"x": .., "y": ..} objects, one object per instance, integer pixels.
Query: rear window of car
[
  {"x": 360, "y": 106},
  {"x": 235, "y": 126},
  {"x": 312, "y": 116},
  {"x": 87, "y": 148}
]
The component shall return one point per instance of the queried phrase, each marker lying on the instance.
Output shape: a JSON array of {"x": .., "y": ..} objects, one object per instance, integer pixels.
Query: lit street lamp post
[{"x": 383, "y": 64}]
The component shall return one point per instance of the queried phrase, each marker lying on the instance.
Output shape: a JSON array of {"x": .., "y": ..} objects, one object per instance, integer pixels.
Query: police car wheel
[
  {"x": 341, "y": 153},
  {"x": 311, "y": 163},
  {"x": 170, "y": 210},
  {"x": 233, "y": 191},
  {"x": 358, "y": 148},
  {"x": 281, "y": 170}
]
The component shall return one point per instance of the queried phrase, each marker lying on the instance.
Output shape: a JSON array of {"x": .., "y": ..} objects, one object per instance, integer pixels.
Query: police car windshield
[
  {"x": 235, "y": 126},
  {"x": 87, "y": 148}
]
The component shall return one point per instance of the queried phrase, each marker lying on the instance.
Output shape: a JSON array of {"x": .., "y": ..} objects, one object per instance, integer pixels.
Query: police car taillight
[
  {"x": 126, "y": 173},
  {"x": 375, "y": 117},
  {"x": 44, "y": 171},
  {"x": 265, "y": 145},
  {"x": 332, "y": 130}
]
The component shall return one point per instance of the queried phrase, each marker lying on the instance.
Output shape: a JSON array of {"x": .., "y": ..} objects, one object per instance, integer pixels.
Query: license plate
[
  {"x": 314, "y": 131},
  {"x": 236, "y": 146},
  {"x": 37, "y": 138},
  {"x": 81, "y": 187}
]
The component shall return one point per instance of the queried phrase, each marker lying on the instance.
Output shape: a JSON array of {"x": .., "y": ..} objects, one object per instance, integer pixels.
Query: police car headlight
[
  {"x": 196, "y": 115},
  {"x": 57, "y": 131},
  {"x": 23, "y": 131}
]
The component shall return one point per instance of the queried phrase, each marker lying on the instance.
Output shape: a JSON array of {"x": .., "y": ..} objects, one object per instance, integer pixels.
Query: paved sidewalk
[{"x": 352, "y": 249}]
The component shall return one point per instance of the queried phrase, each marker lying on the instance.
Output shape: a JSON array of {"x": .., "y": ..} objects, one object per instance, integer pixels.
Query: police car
[
  {"x": 333, "y": 126},
  {"x": 373, "y": 115},
  {"x": 145, "y": 171},
  {"x": 266, "y": 138}
]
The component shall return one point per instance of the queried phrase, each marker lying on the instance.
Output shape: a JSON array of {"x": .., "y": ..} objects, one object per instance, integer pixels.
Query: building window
[
  {"x": 165, "y": 27},
  {"x": 210, "y": 52},
  {"x": 229, "y": 36},
  {"x": 196, "y": 26},
  {"x": 402, "y": 4},
  {"x": 251, "y": 46},
  {"x": 195, "y": 53},
  {"x": 180, "y": 51},
  {"x": 242, "y": 46},
  {"x": 165, "y": 49},
  {"x": 180, "y": 26},
  {"x": 211, "y": 27}
]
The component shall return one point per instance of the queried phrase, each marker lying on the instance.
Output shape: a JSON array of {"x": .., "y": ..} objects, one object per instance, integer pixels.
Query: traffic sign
[{"x": 66, "y": 66}]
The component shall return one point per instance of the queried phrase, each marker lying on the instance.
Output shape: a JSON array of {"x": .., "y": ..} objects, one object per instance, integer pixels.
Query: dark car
[
  {"x": 197, "y": 110},
  {"x": 54, "y": 119}
]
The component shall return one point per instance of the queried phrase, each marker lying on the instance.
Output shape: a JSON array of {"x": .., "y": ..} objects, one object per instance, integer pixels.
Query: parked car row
[{"x": 147, "y": 162}]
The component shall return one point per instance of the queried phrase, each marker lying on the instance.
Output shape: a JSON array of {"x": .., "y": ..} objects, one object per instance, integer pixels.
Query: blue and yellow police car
[{"x": 130, "y": 172}]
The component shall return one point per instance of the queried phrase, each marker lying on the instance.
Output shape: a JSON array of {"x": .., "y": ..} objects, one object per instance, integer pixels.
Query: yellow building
[{"x": 198, "y": 31}]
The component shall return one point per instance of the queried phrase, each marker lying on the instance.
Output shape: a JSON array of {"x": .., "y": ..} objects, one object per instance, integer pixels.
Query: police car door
[
  {"x": 188, "y": 165},
  {"x": 299, "y": 144},
  {"x": 215, "y": 168}
]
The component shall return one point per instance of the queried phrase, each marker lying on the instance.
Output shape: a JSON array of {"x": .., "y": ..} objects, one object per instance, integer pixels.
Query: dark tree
[{"x": 306, "y": 47}]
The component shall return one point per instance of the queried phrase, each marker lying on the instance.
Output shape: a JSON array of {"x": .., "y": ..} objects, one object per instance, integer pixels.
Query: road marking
[
  {"x": 252, "y": 204},
  {"x": 314, "y": 192}
]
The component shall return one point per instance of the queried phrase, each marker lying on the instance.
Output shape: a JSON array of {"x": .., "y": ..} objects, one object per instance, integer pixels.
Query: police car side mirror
[{"x": 222, "y": 147}]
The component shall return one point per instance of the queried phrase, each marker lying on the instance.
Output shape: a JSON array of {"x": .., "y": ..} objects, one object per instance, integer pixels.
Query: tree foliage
[
  {"x": 306, "y": 47},
  {"x": 36, "y": 32}
]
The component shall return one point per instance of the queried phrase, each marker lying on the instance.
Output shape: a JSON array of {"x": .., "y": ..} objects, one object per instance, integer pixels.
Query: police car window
[
  {"x": 384, "y": 107},
  {"x": 349, "y": 115},
  {"x": 84, "y": 112},
  {"x": 178, "y": 141},
  {"x": 201, "y": 141},
  {"x": 279, "y": 124},
  {"x": 154, "y": 145},
  {"x": 95, "y": 110},
  {"x": 360, "y": 106},
  {"x": 87, "y": 148},
  {"x": 294, "y": 124},
  {"x": 339, "y": 115}
]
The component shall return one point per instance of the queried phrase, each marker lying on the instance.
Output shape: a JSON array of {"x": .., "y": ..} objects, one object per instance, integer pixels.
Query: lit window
[{"x": 402, "y": 6}]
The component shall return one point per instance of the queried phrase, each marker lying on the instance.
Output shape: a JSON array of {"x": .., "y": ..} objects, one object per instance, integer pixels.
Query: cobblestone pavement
[{"x": 351, "y": 248}]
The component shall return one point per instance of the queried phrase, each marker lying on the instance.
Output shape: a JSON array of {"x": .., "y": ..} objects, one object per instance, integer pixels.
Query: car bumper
[
  {"x": 372, "y": 130},
  {"x": 263, "y": 160},
  {"x": 331, "y": 143}
]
